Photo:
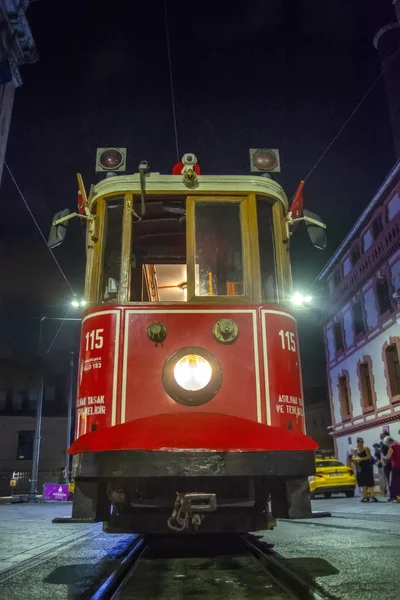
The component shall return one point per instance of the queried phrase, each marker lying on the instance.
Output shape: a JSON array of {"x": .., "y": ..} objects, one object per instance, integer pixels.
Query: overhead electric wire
[
  {"x": 171, "y": 80},
  {"x": 38, "y": 226},
  {"x": 58, "y": 331},
  {"x": 365, "y": 96}
]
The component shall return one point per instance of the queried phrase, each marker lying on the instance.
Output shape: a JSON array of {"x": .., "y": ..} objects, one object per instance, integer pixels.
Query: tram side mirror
[
  {"x": 316, "y": 229},
  {"x": 58, "y": 231}
]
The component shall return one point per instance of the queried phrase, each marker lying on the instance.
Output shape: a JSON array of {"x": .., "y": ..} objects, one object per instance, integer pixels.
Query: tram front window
[
  {"x": 112, "y": 249},
  {"x": 266, "y": 250},
  {"x": 218, "y": 249}
]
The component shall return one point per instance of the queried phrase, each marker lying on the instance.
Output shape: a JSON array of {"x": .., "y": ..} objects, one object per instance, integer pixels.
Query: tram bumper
[{"x": 245, "y": 465}]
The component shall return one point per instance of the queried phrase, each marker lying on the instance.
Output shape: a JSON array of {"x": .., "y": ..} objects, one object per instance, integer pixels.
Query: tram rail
[{"x": 275, "y": 580}]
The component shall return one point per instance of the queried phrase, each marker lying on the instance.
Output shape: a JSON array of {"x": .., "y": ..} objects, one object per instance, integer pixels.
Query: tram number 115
[
  {"x": 288, "y": 340},
  {"x": 94, "y": 339}
]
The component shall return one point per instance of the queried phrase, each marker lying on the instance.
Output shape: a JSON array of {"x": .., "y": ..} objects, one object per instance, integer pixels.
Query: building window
[
  {"x": 25, "y": 445},
  {"x": 338, "y": 333},
  {"x": 355, "y": 255},
  {"x": 393, "y": 369},
  {"x": 344, "y": 397},
  {"x": 358, "y": 318},
  {"x": 337, "y": 277},
  {"x": 383, "y": 295},
  {"x": 377, "y": 226},
  {"x": 367, "y": 398}
]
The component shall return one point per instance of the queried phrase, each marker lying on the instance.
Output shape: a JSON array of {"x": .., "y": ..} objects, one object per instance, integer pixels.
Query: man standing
[
  {"x": 387, "y": 464},
  {"x": 379, "y": 466}
]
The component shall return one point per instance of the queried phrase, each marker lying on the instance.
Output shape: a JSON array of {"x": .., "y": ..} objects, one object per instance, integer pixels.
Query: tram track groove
[{"x": 120, "y": 585}]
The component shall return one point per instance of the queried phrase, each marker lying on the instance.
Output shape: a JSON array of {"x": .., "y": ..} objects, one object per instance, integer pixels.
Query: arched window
[
  {"x": 393, "y": 369},
  {"x": 344, "y": 396},
  {"x": 366, "y": 386},
  {"x": 383, "y": 295}
]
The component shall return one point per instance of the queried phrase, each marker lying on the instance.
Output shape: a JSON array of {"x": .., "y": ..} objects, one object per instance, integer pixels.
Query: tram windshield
[
  {"x": 188, "y": 247},
  {"x": 218, "y": 250}
]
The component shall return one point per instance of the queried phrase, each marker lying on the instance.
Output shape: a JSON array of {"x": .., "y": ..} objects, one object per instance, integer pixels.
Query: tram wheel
[
  {"x": 350, "y": 494},
  {"x": 327, "y": 495}
]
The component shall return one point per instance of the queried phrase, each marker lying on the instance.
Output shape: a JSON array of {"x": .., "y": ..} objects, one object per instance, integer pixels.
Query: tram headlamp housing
[
  {"x": 110, "y": 159},
  {"x": 192, "y": 376},
  {"x": 192, "y": 372},
  {"x": 264, "y": 160}
]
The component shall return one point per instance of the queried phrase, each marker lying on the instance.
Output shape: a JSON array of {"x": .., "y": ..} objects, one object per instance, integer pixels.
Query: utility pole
[
  {"x": 69, "y": 412},
  {"x": 33, "y": 492}
]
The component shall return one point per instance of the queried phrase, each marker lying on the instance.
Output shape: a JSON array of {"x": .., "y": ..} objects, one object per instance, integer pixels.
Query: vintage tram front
[{"x": 190, "y": 409}]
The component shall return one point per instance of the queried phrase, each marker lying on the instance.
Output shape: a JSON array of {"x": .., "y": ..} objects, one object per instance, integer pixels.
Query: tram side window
[
  {"x": 266, "y": 250},
  {"x": 218, "y": 249},
  {"x": 112, "y": 249}
]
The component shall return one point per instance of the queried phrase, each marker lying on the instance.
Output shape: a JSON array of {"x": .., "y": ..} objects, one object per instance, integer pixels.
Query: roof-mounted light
[
  {"x": 264, "y": 160},
  {"x": 110, "y": 159}
]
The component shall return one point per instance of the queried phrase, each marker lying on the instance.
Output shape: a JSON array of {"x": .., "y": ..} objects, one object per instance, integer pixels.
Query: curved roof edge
[{"x": 156, "y": 182}]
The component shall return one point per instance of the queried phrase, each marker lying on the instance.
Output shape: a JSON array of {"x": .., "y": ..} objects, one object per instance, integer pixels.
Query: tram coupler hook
[{"x": 189, "y": 511}]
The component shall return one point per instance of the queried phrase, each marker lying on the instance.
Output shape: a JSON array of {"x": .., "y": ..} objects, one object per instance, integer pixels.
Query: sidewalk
[
  {"x": 339, "y": 506},
  {"x": 27, "y": 531}
]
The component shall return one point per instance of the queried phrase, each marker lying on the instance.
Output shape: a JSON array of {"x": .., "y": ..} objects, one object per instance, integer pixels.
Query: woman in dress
[
  {"x": 394, "y": 456},
  {"x": 364, "y": 471}
]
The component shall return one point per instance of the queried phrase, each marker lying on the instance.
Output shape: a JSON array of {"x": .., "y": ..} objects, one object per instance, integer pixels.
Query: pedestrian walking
[
  {"x": 62, "y": 476},
  {"x": 364, "y": 471},
  {"x": 379, "y": 466},
  {"x": 394, "y": 456},
  {"x": 387, "y": 464}
]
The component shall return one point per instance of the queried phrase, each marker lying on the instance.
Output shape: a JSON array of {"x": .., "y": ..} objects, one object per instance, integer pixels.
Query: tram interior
[{"x": 158, "y": 252}]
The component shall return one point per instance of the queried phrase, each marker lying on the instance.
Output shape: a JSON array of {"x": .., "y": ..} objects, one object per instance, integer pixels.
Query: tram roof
[{"x": 217, "y": 184}]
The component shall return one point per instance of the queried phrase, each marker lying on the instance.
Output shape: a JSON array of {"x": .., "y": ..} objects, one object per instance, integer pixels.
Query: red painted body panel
[
  {"x": 192, "y": 432},
  {"x": 261, "y": 370},
  {"x": 145, "y": 394}
]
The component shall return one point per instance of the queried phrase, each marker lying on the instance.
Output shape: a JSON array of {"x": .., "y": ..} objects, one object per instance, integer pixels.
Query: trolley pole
[
  {"x": 33, "y": 492},
  {"x": 69, "y": 413}
]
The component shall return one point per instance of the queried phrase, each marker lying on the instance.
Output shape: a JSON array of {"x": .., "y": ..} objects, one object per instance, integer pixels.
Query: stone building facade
[{"x": 362, "y": 323}]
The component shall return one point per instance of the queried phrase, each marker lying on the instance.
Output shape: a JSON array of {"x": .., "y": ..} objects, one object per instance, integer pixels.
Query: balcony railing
[{"x": 385, "y": 245}]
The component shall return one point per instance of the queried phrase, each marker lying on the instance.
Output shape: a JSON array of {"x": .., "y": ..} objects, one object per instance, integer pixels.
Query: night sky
[{"x": 270, "y": 73}]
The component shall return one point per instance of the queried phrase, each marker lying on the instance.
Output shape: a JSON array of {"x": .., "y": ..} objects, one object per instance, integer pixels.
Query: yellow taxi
[{"x": 332, "y": 477}]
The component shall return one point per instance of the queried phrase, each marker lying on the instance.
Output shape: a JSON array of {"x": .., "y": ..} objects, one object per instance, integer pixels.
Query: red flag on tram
[
  {"x": 81, "y": 203},
  {"x": 296, "y": 208}
]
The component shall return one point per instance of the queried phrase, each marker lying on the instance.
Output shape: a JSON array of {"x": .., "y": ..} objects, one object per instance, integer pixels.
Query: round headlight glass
[{"x": 192, "y": 372}]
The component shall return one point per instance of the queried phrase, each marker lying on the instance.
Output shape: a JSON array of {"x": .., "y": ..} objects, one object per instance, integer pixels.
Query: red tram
[{"x": 189, "y": 413}]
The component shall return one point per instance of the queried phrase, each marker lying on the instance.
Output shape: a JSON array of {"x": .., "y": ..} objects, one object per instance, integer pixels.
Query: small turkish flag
[
  {"x": 178, "y": 168},
  {"x": 81, "y": 204},
  {"x": 296, "y": 208}
]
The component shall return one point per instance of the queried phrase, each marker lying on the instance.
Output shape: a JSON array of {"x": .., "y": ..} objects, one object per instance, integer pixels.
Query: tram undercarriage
[{"x": 191, "y": 504}]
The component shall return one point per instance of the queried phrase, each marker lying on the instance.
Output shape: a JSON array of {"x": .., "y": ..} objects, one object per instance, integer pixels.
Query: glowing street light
[
  {"x": 299, "y": 300},
  {"x": 78, "y": 302}
]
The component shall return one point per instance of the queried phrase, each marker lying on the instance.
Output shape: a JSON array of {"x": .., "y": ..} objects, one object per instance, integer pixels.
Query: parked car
[{"x": 332, "y": 477}]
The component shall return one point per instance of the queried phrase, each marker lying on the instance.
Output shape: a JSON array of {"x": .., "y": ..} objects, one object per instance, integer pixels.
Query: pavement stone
[{"x": 27, "y": 531}]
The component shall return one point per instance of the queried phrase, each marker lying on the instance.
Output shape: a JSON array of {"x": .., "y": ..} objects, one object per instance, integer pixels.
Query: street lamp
[
  {"x": 78, "y": 302},
  {"x": 300, "y": 300},
  {"x": 33, "y": 495}
]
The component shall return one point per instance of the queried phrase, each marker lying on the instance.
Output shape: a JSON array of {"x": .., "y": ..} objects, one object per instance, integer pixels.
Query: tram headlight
[
  {"x": 192, "y": 376},
  {"x": 264, "y": 160},
  {"x": 111, "y": 159},
  {"x": 192, "y": 372}
]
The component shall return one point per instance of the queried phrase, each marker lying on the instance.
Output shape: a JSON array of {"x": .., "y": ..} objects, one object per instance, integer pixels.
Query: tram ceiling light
[
  {"x": 264, "y": 160},
  {"x": 110, "y": 160}
]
